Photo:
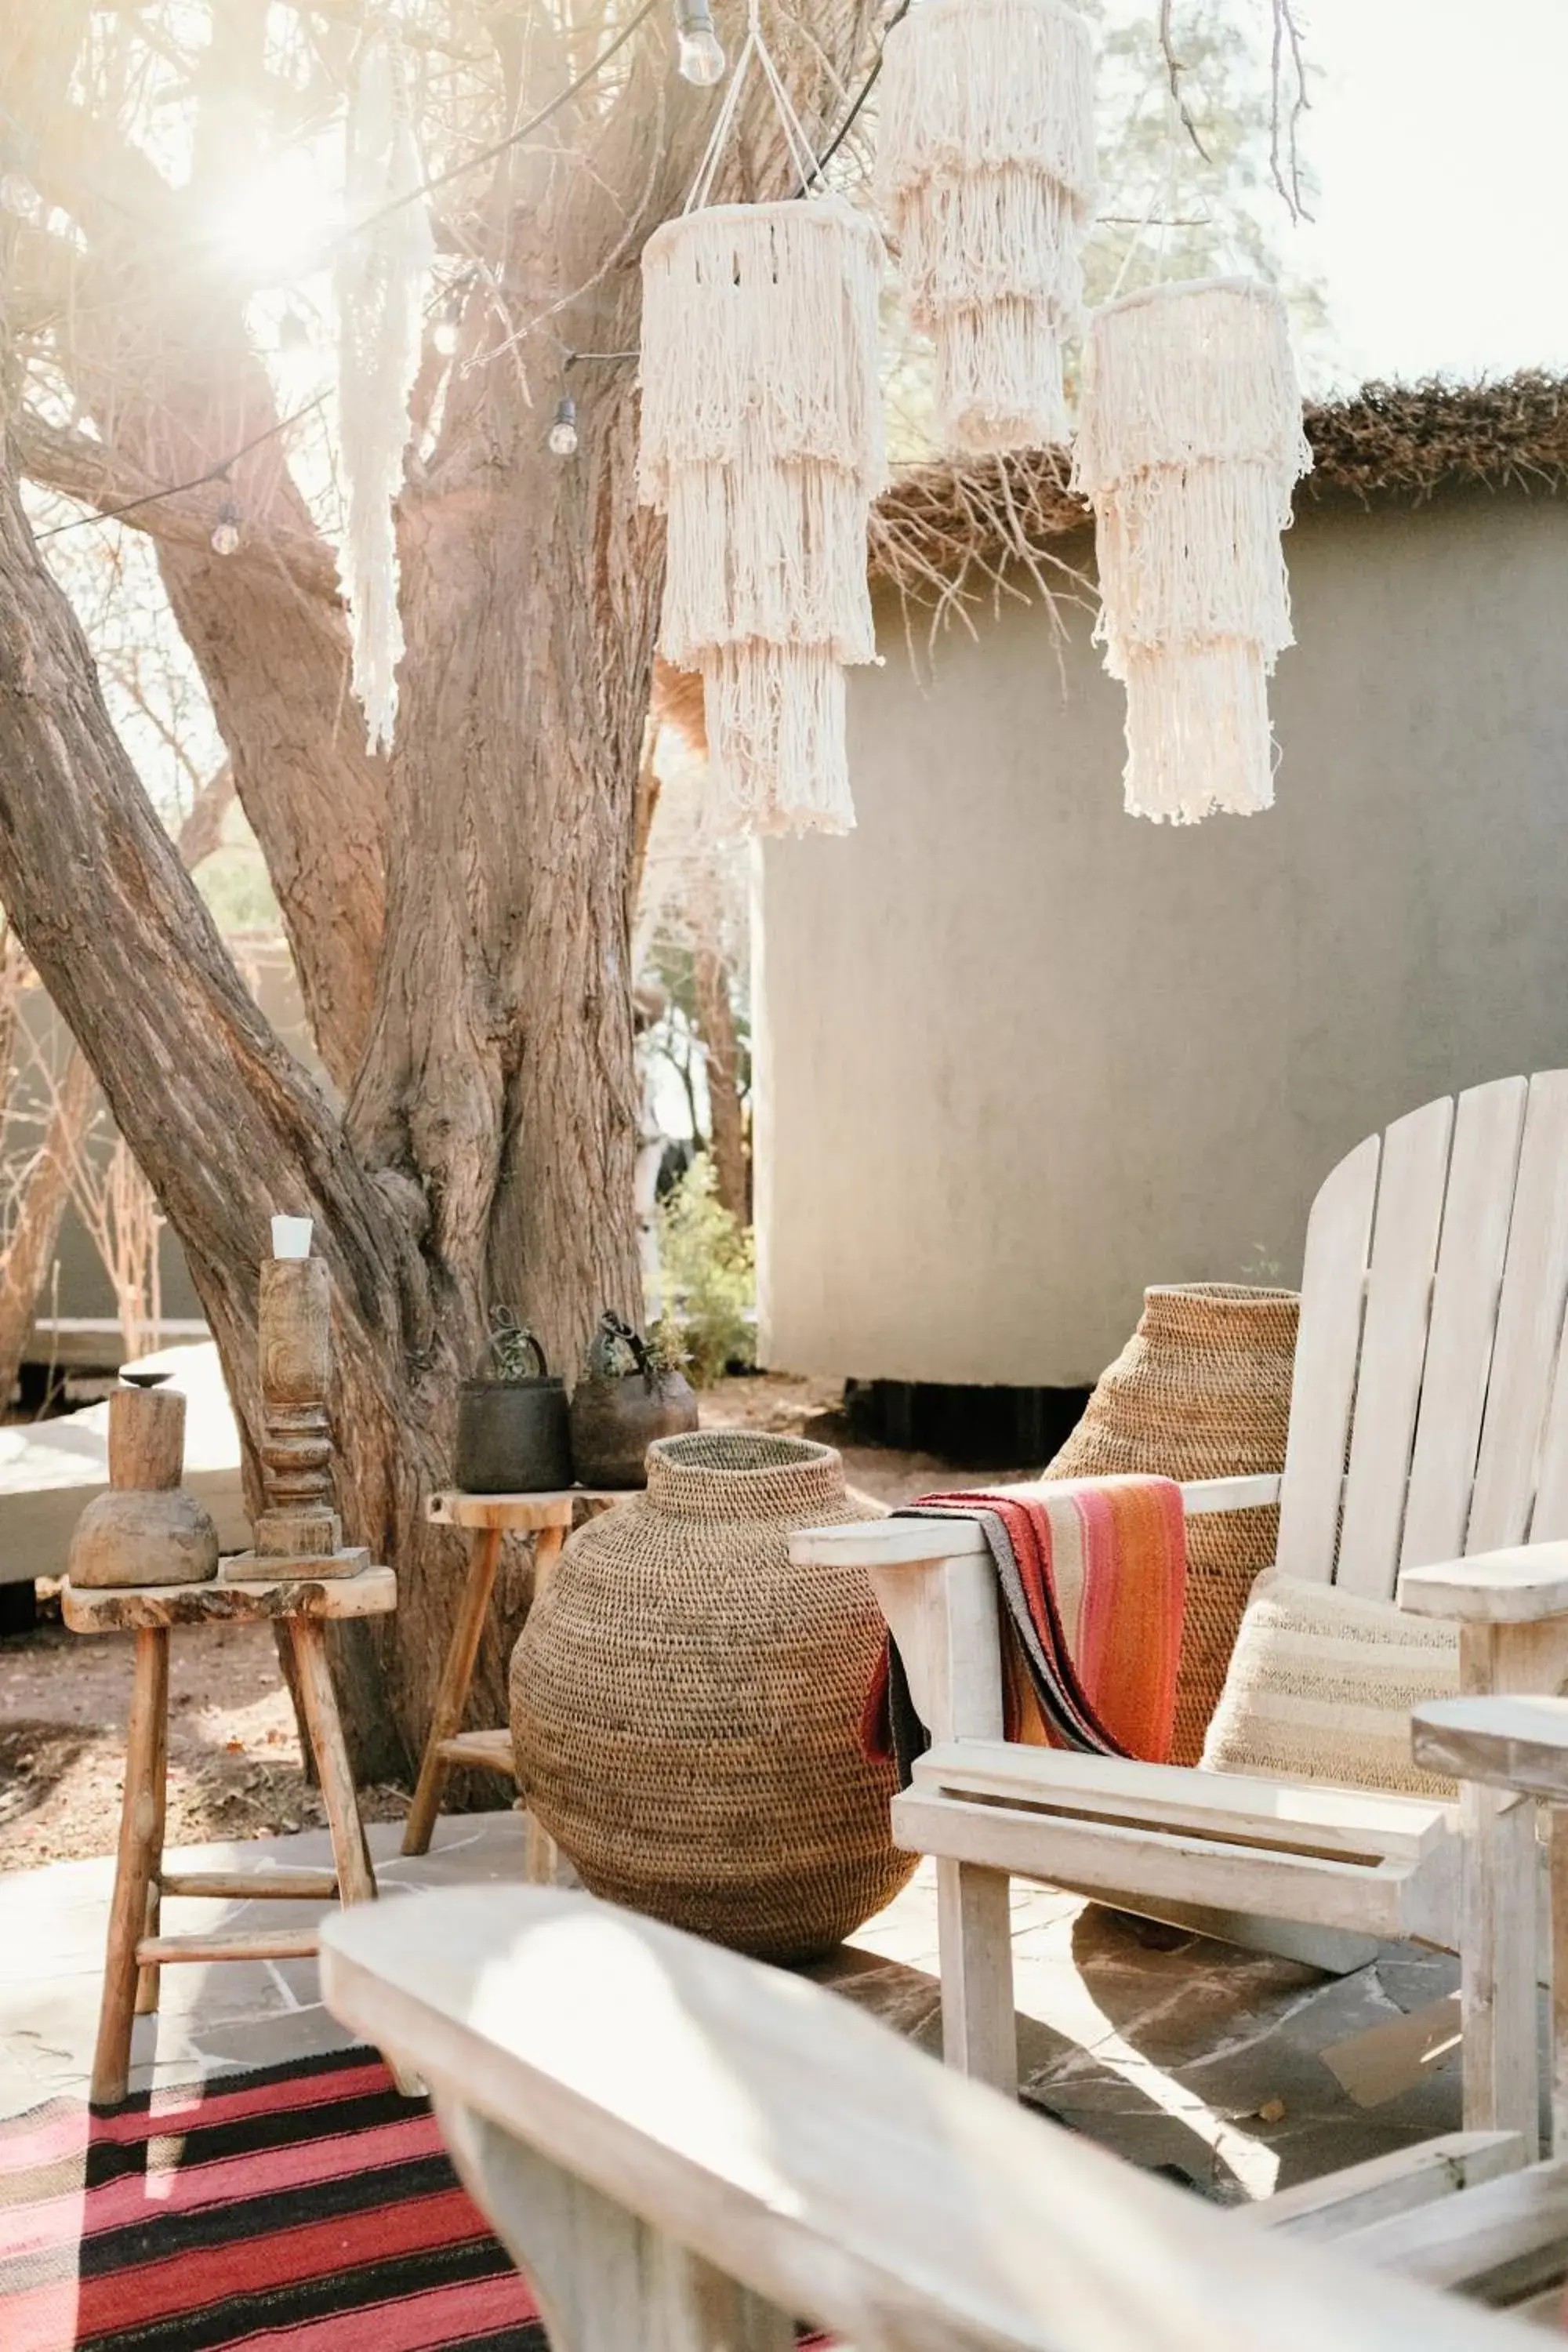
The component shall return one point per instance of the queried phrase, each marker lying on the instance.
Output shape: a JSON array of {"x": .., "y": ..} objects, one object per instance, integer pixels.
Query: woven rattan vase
[
  {"x": 1202, "y": 1390},
  {"x": 686, "y": 1705}
]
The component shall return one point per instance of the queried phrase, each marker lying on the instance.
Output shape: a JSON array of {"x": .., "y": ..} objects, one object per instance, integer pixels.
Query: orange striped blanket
[{"x": 1092, "y": 1576}]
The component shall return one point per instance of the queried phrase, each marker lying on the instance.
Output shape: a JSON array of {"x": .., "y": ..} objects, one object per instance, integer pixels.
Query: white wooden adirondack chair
[
  {"x": 685, "y": 2150},
  {"x": 1429, "y": 1437}
]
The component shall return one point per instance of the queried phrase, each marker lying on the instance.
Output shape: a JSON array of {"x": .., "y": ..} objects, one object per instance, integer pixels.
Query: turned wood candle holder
[{"x": 297, "y": 1530}]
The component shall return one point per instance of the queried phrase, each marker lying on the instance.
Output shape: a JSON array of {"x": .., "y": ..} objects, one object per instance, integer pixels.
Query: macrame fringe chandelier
[
  {"x": 380, "y": 289},
  {"x": 762, "y": 444},
  {"x": 1189, "y": 447},
  {"x": 985, "y": 178}
]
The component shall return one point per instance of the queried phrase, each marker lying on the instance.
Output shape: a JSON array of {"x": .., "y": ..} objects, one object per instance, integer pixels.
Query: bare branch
[
  {"x": 202, "y": 830},
  {"x": 107, "y": 479},
  {"x": 1173, "y": 72},
  {"x": 1288, "y": 65}
]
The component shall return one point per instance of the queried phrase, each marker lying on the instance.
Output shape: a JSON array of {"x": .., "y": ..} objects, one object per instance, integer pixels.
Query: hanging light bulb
[
  {"x": 701, "y": 56},
  {"x": 226, "y": 530},
  {"x": 448, "y": 322},
  {"x": 563, "y": 436}
]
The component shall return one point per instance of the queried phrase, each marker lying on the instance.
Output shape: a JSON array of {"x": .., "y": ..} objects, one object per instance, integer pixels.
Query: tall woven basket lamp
[
  {"x": 686, "y": 1705},
  {"x": 1202, "y": 1390}
]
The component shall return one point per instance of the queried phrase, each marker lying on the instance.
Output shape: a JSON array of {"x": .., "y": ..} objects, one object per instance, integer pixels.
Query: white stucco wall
[{"x": 1019, "y": 1055}]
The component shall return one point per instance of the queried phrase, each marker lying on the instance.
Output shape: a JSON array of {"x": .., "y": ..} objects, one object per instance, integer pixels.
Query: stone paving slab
[{"x": 1179, "y": 2053}]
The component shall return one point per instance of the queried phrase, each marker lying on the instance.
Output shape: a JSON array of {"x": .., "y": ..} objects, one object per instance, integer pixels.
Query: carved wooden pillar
[
  {"x": 297, "y": 1530},
  {"x": 300, "y": 1520}
]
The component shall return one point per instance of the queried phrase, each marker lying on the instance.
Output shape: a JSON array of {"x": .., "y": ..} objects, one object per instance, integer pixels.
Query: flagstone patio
[{"x": 1221, "y": 2067}]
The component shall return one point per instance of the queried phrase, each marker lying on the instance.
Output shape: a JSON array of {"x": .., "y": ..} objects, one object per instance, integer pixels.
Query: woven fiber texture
[
  {"x": 686, "y": 1705},
  {"x": 1322, "y": 1687},
  {"x": 1202, "y": 1390}
]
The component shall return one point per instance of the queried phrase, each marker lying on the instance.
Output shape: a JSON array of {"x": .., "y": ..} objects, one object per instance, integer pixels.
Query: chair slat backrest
[
  {"x": 1529, "y": 1325},
  {"x": 1410, "y": 1187},
  {"x": 1478, "y": 1213},
  {"x": 1323, "y": 1392},
  {"x": 1428, "y": 1418}
]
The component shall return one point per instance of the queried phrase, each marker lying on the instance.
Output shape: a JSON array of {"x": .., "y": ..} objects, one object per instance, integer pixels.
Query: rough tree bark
[
  {"x": 488, "y": 1146},
  {"x": 727, "y": 1121}
]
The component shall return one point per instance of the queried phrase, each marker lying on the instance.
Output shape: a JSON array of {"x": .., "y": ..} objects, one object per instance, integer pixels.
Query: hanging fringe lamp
[
  {"x": 762, "y": 444},
  {"x": 380, "y": 289},
  {"x": 985, "y": 178},
  {"x": 1189, "y": 447}
]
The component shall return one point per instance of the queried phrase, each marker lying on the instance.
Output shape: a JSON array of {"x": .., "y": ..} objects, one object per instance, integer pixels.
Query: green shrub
[{"x": 709, "y": 1274}]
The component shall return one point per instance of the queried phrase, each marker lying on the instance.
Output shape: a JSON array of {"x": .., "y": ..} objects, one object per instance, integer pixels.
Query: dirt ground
[{"x": 233, "y": 1754}]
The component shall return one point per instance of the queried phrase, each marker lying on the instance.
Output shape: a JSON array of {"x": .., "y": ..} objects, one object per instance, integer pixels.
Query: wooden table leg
[
  {"x": 356, "y": 1880},
  {"x": 148, "y": 1979},
  {"x": 452, "y": 1696},
  {"x": 351, "y": 1850},
  {"x": 141, "y": 1828},
  {"x": 541, "y": 1854}
]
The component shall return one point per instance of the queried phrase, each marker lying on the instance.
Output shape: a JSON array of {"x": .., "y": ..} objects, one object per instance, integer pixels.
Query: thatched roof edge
[{"x": 939, "y": 526}]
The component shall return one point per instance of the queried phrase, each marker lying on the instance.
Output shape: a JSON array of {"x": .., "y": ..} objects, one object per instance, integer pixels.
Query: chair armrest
[
  {"x": 1523, "y": 1586},
  {"x": 771, "y": 2129},
  {"x": 1506, "y": 1742},
  {"x": 1200, "y": 1496},
  {"x": 885, "y": 1543},
  {"x": 912, "y": 1543}
]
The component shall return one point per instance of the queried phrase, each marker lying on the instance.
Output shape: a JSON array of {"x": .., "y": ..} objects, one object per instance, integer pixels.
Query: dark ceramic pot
[
  {"x": 616, "y": 1417},
  {"x": 513, "y": 1437}
]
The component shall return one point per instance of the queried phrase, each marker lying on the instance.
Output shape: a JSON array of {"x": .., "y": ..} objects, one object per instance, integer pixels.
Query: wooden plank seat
[
  {"x": 685, "y": 2149},
  {"x": 1427, "y": 1458}
]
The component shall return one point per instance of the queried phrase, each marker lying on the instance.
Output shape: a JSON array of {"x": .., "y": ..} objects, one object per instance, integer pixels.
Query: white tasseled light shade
[
  {"x": 761, "y": 442},
  {"x": 1189, "y": 448},
  {"x": 985, "y": 178}
]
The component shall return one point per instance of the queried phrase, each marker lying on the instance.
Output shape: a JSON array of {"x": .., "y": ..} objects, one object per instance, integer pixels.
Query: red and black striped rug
[{"x": 305, "y": 2206}]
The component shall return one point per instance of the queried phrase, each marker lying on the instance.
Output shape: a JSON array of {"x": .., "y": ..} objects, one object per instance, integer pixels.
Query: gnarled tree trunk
[{"x": 458, "y": 913}]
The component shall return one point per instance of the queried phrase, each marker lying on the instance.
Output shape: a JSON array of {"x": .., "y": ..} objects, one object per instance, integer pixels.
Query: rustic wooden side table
[
  {"x": 137, "y": 1946},
  {"x": 488, "y": 1517}
]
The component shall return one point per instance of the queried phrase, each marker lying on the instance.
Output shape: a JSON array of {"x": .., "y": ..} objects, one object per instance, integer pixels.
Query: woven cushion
[{"x": 1321, "y": 1686}]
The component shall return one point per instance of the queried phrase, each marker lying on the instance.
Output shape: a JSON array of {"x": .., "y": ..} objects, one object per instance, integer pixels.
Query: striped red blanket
[{"x": 1092, "y": 1575}]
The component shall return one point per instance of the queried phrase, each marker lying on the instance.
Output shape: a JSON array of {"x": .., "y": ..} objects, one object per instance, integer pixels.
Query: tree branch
[
  {"x": 1173, "y": 72},
  {"x": 225, "y": 1123},
  {"x": 105, "y": 478}
]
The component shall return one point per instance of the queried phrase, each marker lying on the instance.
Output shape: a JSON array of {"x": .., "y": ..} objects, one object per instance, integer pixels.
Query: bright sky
[{"x": 1440, "y": 139}]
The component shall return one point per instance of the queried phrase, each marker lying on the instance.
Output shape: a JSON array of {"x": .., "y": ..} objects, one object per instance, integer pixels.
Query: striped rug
[
  {"x": 304, "y": 2205},
  {"x": 300, "y": 2209}
]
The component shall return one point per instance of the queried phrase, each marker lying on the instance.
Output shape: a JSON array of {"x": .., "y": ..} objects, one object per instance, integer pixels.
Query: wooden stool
[
  {"x": 137, "y": 1948},
  {"x": 547, "y": 1517}
]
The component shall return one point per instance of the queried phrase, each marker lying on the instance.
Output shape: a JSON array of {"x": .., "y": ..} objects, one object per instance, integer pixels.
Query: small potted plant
[
  {"x": 632, "y": 1390},
  {"x": 513, "y": 1436}
]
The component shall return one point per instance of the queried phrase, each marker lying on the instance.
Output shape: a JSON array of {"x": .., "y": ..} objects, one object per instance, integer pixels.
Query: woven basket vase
[
  {"x": 686, "y": 1705},
  {"x": 1202, "y": 1390}
]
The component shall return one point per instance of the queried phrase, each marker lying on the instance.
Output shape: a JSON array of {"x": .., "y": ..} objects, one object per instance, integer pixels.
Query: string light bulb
[
  {"x": 563, "y": 437},
  {"x": 226, "y": 530},
  {"x": 449, "y": 319},
  {"x": 700, "y": 57}
]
